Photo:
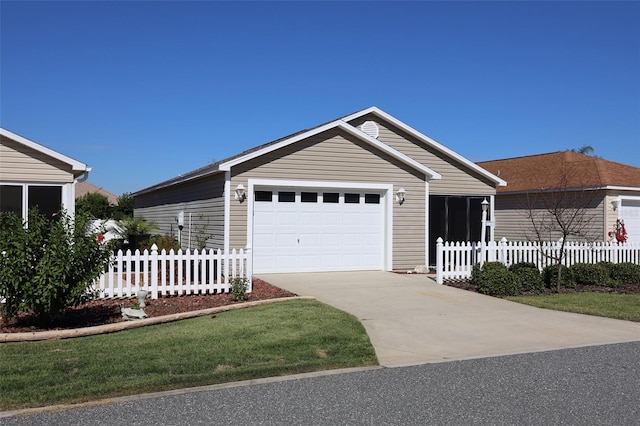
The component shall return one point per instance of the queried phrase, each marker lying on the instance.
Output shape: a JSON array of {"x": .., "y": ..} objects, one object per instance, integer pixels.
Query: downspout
[{"x": 227, "y": 209}]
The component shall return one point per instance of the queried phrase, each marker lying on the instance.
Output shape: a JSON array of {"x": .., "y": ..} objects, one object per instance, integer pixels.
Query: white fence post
[{"x": 439, "y": 261}]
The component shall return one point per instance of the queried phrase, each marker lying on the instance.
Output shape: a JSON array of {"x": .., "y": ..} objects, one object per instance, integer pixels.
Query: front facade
[
  {"x": 32, "y": 175},
  {"x": 609, "y": 192},
  {"x": 352, "y": 194}
]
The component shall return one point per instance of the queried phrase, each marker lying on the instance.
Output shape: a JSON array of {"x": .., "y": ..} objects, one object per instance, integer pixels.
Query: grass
[
  {"x": 618, "y": 306},
  {"x": 264, "y": 341}
]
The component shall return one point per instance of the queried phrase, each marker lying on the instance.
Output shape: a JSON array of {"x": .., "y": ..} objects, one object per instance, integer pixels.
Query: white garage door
[
  {"x": 630, "y": 213},
  {"x": 317, "y": 230}
]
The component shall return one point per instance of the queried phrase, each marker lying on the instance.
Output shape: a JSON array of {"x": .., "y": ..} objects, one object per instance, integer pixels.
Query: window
[
  {"x": 48, "y": 199},
  {"x": 352, "y": 198},
  {"x": 372, "y": 198},
  {"x": 286, "y": 197},
  {"x": 11, "y": 199},
  {"x": 331, "y": 197},
  {"x": 264, "y": 196},
  {"x": 309, "y": 197}
]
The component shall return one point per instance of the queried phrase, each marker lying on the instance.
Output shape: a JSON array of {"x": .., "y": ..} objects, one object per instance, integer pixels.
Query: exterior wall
[
  {"x": 202, "y": 198},
  {"x": 456, "y": 179},
  {"x": 21, "y": 164},
  {"x": 335, "y": 156},
  {"x": 513, "y": 224}
]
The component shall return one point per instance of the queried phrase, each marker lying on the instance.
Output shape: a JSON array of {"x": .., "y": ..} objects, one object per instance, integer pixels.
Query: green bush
[
  {"x": 49, "y": 265},
  {"x": 626, "y": 273},
  {"x": 550, "y": 277},
  {"x": 239, "y": 288},
  {"x": 590, "y": 274},
  {"x": 164, "y": 242},
  {"x": 529, "y": 276},
  {"x": 494, "y": 279}
]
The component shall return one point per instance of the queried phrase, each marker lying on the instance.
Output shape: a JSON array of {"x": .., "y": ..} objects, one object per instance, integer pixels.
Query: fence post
[
  {"x": 439, "y": 262},
  {"x": 249, "y": 269},
  {"x": 154, "y": 271}
]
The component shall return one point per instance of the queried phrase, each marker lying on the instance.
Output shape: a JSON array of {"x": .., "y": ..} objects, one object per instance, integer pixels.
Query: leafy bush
[
  {"x": 494, "y": 279},
  {"x": 95, "y": 205},
  {"x": 164, "y": 242},
  {"x": 589, "y": 274},
  {"x": 239, "y": 288},
  {"x": 529, "y": 276},
  {"x": 550, "y": 277},
  {"x": 626, "y": 273},
  {"x": 49, "y": 265}
]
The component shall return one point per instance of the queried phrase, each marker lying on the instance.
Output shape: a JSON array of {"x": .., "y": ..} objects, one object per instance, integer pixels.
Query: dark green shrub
[
  {"x": 589, "y": 274},
  {"x": 239, "y": 288},
  {"x": 50, "y": 265},
  {"x": 626, "y": 273},
  {"x": 495, "y": 279},
  {"x": 550, "y": 277},
  {"x": 529, "y": 276}
]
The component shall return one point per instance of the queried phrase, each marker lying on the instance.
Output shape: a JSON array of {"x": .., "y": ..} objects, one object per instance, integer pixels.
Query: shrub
[
  {"x": 550, "y": 277},
  {"x": 49, "y": 265},
  {"x": 589, "y": 274},
  {"x": 164, "y": 242},
  {"x": 626, "y": 273},
  {"x": 494, "y": 279},
  {"x": 239, "y": 288},
  {"x": 529, "y": 276}
]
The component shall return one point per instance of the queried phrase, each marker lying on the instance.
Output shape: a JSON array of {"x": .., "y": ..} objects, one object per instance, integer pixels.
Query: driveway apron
[{"x": 412, "y": 320}]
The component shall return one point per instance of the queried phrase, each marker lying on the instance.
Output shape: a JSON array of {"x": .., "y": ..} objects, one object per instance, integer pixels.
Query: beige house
[
  {"x": 34, "y": 175},
  {"x": 608, "y": 190},
  {"x": 363, "y": 192}
]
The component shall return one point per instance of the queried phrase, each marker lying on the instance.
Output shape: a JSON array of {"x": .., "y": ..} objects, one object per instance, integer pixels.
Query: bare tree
[{"x": 562, "y": 210}]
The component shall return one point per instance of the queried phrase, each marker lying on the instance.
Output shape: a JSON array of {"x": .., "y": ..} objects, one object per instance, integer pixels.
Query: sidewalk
[{"x": 412, "y": 320}]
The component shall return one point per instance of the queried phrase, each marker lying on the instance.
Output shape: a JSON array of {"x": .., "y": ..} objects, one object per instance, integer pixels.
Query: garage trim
[{"x": 386, "y": 189}]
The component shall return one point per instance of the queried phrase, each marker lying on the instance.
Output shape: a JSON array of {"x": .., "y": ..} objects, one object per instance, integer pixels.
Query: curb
[{"x": 126, "y": 325}]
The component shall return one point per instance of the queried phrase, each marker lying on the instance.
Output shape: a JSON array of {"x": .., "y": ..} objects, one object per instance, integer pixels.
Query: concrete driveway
[{"x": 412, "y": 320}]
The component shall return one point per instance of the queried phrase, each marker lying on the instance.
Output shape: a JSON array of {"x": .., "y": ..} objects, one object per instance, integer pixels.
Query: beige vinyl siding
[
  {"x": 456, "y": 178},
  {"x": 512, "y": 222},
  {"x": 19, "y": 163},
  {"x": 203, "y": 198},
  {"x": 335, "y": 156}
]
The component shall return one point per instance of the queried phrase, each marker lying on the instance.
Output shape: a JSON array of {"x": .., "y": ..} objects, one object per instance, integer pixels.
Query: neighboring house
[
  {"x": 84, "y": 188},
  {"x": 612, "y": 189},
  {"x": 363, "y": 192},
  {"x": 34, "y": 175}
]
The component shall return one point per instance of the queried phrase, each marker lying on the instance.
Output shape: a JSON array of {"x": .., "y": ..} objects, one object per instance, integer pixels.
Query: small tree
[
  {"x": 560, "y": 211},
  {"x": 48, "y": 265},
  {"x": 124, "y": 208},
  {"x": 95, "y": 205}
]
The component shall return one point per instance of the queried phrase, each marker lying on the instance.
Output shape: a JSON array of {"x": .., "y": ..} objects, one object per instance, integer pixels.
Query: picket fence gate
[
  {"x": 173, "y": 273},
  {"x": 455, "y": 260}
]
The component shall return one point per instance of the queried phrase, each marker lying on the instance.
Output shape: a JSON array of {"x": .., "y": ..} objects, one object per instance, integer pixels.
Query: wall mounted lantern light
[
  {"x": 615, "y": 204},
  {"x": 240, "y": 194},
  {"x": 400, "y": 195}
]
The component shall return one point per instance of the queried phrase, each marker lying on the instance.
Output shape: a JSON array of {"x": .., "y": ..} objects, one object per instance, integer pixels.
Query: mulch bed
[
  {"x": 625, "y": 289},
  {"x": 101, "y": 312}
]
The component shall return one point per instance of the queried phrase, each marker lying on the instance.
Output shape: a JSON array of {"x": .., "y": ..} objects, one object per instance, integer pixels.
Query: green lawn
[
  {"x": 619, "y": 306},
  {"x": 264, "y": 341}
]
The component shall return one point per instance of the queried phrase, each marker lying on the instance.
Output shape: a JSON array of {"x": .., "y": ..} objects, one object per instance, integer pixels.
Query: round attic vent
[{"x": 371, "y": 129}]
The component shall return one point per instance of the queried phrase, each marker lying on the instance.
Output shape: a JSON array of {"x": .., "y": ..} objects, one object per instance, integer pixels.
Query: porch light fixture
[
  {"x": 615, "y": 204},
  {"x": 240, "y": 194},
  {"x": 400, "y": 195},
  {"x": 485, "y": 205}
]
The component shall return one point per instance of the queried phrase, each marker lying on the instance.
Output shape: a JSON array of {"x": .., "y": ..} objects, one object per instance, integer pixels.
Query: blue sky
[{"x": 145, "y": 91}]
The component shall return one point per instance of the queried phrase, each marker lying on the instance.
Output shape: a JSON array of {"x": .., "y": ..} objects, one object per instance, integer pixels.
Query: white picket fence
[
  {"x": 455, "y": 260},
  {"x": 173, "y": 273}
]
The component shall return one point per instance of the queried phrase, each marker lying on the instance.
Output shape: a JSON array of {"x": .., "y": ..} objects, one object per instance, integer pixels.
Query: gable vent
[{"x": 371, "y": 129}]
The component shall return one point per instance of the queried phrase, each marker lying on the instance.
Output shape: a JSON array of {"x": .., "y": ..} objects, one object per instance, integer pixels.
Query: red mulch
[{"x": 100, "y": 312}]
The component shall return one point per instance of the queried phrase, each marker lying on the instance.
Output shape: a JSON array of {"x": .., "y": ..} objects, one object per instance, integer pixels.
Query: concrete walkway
[{"x": 412, "y": 320}]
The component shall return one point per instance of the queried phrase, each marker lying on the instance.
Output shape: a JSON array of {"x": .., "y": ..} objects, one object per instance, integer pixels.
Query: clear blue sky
[{"x": 145, "y": 91}]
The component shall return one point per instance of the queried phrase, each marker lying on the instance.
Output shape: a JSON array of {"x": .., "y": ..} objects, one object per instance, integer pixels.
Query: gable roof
[
  {"x": 226, "y": 164},
  {"x": 76, "y": 166},
  {"x": 535, "y": 172},
  {"x": 85, "y": 187},
  {"x": 427, "y": 140}
]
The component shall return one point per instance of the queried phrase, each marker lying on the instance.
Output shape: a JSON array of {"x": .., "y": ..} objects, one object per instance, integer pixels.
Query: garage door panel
[{"x": 317, "y": 236}]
